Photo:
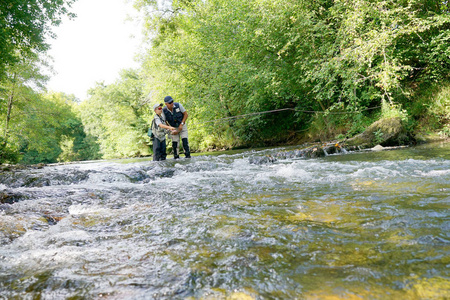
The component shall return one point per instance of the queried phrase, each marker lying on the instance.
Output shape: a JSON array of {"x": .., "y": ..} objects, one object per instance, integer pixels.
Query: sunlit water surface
[{"x": 365, "y": 225}]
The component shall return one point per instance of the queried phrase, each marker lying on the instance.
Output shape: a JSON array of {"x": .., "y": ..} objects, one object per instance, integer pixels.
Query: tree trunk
[{"x": 8, "y": 114}]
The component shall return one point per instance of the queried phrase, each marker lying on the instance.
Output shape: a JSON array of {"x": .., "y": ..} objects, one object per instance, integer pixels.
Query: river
[{"x": 364, "y": 225}]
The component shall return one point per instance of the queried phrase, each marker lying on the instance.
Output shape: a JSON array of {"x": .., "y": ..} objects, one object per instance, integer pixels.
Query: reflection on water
[{"x": 367, "y": 225}]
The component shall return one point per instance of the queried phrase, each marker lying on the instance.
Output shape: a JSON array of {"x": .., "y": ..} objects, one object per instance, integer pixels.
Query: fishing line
[{"x": 279, "y": 110}]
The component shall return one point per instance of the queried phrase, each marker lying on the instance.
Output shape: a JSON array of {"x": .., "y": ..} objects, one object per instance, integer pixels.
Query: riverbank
[
  {"x": 307, "y": 149},
  {"x": 384, "y": 134}
]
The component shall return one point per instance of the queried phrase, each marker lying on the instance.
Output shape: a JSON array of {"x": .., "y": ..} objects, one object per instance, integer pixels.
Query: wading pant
[
  {"x": 159, "y": 150},
  {"x": 183, "y": 134}
]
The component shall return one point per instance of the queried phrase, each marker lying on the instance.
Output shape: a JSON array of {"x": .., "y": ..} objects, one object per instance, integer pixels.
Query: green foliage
[
  {"x": 8, "y": 152},
  {"x": 378, "y": 136},
  {"x": 75, "y": 145},
  {"x": 16, "y": 94},
  {"x": 117, "y": 115},
  {"x": 445, "y": 132},
  {"x": 25, "y": 27},
  {"x": 211, "y": 62},
  {"x": 358, "y": 123},
  {"x": 431, "y": 107},
  {"x": 229, "y": 58},
  {"x": 439, "y": 105},
  {"x": 36, "y": 124},
  {"x": 392, "y": 110},
  {"x": 337, "y": 124},
  {"x": 49, "y": 128}
]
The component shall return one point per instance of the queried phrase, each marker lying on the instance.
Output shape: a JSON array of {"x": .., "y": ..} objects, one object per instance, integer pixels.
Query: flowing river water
[{"x": 364, "y": 225}]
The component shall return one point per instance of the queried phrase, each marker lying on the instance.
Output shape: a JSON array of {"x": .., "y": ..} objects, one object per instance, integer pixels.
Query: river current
[{"x": 362, "y": 225}]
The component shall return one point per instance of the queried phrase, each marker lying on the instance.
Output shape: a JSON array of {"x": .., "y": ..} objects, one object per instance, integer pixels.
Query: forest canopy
[{"x": 323, "y": 69}]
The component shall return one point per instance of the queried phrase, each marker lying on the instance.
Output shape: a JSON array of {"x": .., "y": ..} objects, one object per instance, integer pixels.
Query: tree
[
  {"x": 16, "y": 94},
  {"x": 117, "y": 115},
  {"x": 37, "y": 125},
  {"x": 74, "y": 143},
  {"x": 25, "y": 26}
]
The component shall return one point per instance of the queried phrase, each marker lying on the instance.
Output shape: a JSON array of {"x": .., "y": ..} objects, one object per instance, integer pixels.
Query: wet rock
[
  {"x": 329, "y": 149},
  {"x": 377, "y": 148},
  {"x": 315, "y": 152},
  {"x": 37, "y": 181},
  {"x": 138, "y": 176},
  {"x": 310, "y": 152},
  {"x": 19, "y": 179},
  {"x": 13, "y": 179},
  {"x": 53, "y": 219},
  {"x": 70, "y": 177},
  {"x": 167, "y": 172},
  {"x": 8, "y": 168},
  {"x": 5, "y": 168},
  {"x": 259, "y": 160},
  {"x": 10, "y": 197},
  {"x": 29, "y": 178}
]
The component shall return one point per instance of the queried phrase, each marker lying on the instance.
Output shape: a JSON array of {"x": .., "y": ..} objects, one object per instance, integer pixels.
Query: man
[
  {"x": 176, "y": 116},
  {"x": 159, "y": 129}
]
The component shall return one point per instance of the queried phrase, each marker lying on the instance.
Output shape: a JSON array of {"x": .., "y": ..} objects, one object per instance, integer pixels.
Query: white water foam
[{"x": 434, "y": 173}]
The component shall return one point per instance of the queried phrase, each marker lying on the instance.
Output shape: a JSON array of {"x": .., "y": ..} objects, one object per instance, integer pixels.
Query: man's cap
[
  {"x": 156, "y": 105},
  {"x": 168, "y": 99}
]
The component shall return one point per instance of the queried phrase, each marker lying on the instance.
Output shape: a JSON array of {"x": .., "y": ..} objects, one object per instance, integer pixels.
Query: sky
[{"x": 94, "y": 46}]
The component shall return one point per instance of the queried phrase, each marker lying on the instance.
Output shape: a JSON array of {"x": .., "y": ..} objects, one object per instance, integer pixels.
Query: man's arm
[{"x": 185, "y": 116}]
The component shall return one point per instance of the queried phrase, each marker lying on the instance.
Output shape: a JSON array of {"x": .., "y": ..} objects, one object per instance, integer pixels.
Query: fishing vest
[
  {"x": 175, "y": 118},
  {"x": 158, "y": 132}
]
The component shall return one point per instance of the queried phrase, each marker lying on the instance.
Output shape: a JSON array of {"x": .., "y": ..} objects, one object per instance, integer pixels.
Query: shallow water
[{"x": 364, "y": 225}]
